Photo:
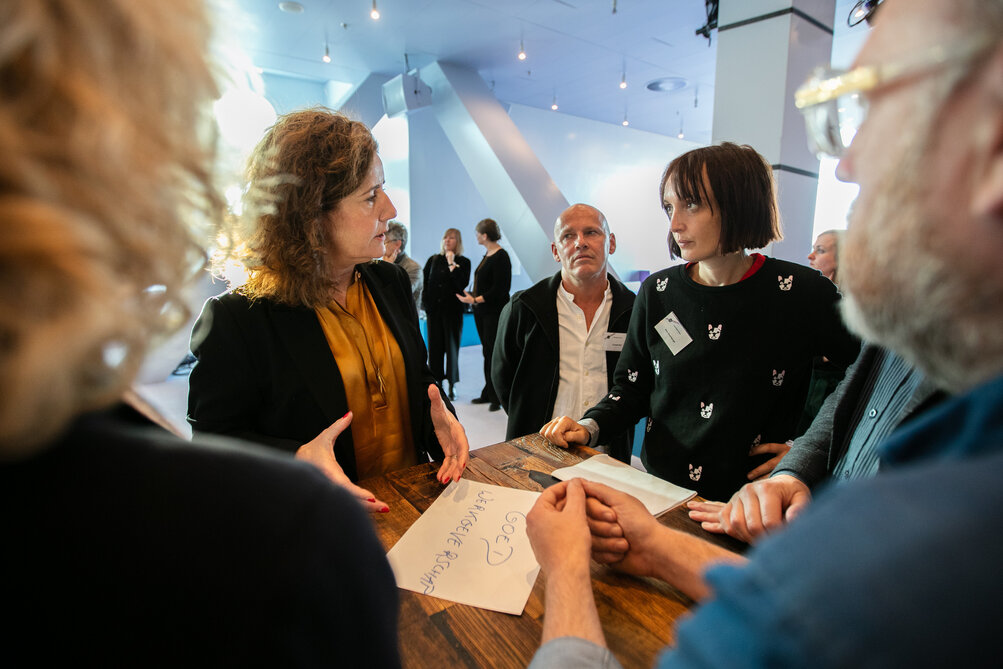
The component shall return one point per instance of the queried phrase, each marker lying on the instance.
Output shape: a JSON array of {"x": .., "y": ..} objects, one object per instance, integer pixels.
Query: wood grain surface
[{"x": 637, "y": 615}]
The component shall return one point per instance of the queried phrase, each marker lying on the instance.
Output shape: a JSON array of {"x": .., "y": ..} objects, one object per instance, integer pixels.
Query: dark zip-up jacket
[{"x": 526, "y": 359}]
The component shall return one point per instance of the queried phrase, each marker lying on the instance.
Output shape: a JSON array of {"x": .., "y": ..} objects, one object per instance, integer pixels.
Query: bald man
[{"x": 559, "y": 341}]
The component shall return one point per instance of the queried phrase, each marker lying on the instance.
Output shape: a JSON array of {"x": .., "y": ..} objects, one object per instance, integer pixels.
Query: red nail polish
[
  {"x": 346, "y": 413},
  {"x": 371, "y": 499},
  {"x": 385, "y": 509}
]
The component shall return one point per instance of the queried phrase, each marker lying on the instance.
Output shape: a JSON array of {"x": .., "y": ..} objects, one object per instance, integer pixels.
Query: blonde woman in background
[
  {"x": 446, "y": 274},
  {"x": 125, "y": 546},
  {"x": 824, "y": 254}
]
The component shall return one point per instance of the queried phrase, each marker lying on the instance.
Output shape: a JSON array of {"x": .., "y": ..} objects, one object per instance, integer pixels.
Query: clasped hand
[{"x": 575, "y": 519}]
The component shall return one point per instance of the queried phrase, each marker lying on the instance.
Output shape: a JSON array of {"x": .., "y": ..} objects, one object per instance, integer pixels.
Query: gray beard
[{"x": 908, "y": 287}]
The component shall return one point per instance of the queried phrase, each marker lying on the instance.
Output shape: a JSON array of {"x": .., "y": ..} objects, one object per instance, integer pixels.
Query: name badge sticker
[
  {"x": 673, "y": 333},
  {"x": 614, "y": 341}
]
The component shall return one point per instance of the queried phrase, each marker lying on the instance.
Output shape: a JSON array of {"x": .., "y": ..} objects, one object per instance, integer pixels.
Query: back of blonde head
[{"x": 104, "y": 190}]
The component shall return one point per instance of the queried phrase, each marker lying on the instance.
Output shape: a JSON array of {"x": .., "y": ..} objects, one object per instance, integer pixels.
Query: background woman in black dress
[
  {"x": 492, "y": 280},
  {"x": 445, "y": 274}
]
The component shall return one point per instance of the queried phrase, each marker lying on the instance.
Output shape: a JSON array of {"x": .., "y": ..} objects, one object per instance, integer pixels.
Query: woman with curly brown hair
[{"x": 319, "y": 352}]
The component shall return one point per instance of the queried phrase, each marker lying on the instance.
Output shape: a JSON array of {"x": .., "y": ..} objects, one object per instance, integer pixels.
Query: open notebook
[{"x": 657, "y": 495}]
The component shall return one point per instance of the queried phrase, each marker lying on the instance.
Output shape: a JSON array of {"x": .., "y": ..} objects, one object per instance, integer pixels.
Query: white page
[
  {"x": 471, "y": 547},
  {"x": 657, "y": 495}
]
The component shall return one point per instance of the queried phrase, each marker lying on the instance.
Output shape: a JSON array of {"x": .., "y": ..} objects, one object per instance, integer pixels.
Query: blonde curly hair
[{"x": 106, "y": 189}]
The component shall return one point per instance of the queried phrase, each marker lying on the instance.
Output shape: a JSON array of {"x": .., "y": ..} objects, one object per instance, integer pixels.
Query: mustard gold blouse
[{"x": 372, "y": 371}]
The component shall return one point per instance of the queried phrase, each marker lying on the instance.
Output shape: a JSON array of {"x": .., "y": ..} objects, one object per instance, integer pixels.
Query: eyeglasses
[{"x": 833, "y": 104}]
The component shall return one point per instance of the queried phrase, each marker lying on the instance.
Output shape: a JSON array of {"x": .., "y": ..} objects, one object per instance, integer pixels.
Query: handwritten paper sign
[{"x": 471, "y": 547}]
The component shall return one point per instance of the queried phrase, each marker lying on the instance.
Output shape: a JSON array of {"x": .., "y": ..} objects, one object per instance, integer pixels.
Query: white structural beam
[{"x": 518, "y": 190}]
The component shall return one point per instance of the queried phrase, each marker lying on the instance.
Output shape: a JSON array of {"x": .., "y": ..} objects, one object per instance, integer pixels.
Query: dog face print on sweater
[
  {"x": 706, "y": 410},
  {"x": 778, "y": 377},
  {"x": 631, "y": 375},
  {"x": 660, "y": 284},
  {"x": 714, "y": 333},
  {"x": 696, "y": 472},
  {"x": 785, "y": 284}
]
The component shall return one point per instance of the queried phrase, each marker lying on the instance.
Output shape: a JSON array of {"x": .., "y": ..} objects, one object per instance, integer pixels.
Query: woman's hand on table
[
  {"x": 778, "y": 451},
  {"x": 451, "y": 436},
  {"x": 320, "y": 453},
  {"x": 565, "y": 432},
  {"x": 758, "y": 508}
]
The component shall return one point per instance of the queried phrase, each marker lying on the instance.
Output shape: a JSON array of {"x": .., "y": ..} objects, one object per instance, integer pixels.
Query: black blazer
[
  {"x": 442, "y": 286},
  {"x": 265, "y": 372}
]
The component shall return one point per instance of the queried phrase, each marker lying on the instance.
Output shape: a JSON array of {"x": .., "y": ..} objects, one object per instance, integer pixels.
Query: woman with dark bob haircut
[
  {"x": 719, "y": 349},
  {"x": 319, "y": 352}
]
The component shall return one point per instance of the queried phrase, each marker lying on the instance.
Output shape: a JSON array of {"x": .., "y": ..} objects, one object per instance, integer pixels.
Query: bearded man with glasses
[{"x": 898, "y": 570}]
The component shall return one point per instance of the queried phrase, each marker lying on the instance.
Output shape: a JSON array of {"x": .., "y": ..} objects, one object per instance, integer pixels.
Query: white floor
[{"x": 170, "y": 398}]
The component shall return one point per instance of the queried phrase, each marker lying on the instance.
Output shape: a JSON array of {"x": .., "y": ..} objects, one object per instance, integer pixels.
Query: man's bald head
[
  {"x": 582, "y": 244},
  {"x": 581, "y": 210}
]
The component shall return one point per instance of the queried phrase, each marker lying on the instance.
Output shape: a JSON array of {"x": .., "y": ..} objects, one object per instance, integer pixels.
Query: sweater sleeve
[
  {"x": 837, "y": 344},
  {"x": 629, "y": 398},
  {"x": 808, "y": 459}
]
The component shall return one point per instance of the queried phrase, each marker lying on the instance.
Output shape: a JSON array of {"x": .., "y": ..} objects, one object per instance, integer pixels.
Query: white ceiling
[{"x": 577, "y": 50}]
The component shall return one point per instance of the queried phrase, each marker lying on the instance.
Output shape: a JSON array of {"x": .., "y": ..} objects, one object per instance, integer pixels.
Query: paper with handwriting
[
  {"x": 470, "y": 547},
  {"x": 657, "y": 495}
]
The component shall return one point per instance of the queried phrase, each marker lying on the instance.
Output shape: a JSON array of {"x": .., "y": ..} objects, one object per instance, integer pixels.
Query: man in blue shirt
[{"x": 900, "y": 569}]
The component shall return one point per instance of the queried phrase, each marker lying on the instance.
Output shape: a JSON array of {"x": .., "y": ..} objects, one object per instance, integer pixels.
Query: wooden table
[{"x": 637, "y": 615}]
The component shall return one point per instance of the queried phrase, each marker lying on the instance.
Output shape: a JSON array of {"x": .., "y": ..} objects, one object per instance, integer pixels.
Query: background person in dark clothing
[
  {"x": 492, "y": 280},
  {"x": 446, "y": 274}
]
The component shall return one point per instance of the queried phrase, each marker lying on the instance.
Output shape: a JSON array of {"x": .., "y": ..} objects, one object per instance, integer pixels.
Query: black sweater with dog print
[{"x": 721, "y": 369}]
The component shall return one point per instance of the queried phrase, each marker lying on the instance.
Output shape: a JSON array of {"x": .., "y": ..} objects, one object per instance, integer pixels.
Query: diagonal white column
[{"x": 506, "y": 172}]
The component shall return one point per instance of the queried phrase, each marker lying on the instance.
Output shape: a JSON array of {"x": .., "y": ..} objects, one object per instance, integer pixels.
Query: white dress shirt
[{"x": 582, "y": 368}]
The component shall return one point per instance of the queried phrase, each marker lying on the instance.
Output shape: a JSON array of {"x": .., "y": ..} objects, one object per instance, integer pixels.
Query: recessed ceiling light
[
  {"x": 666, "y": 84},
  {"x": 291, "y": 7}
]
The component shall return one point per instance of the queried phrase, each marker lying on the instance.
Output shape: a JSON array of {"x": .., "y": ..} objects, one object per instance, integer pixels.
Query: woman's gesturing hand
[
  {"x": 451, "y": 437},
  {"x": 320, "y": 453}
]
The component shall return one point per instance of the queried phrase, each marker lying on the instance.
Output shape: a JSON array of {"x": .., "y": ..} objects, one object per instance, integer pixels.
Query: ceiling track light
[
  {"x": 862, "y": 11},
  {"x": 553, "y": 105},
  {"x": 680, "y": 135},
  {"x": 522, "y": 50},
  {"x": 625, "y": 121},
  {"x": 375, "y": 14},
  {"x": 327, "y": 54},
  {"x": 614, "y": 6},
  {"x": 623, "y": 77}
]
